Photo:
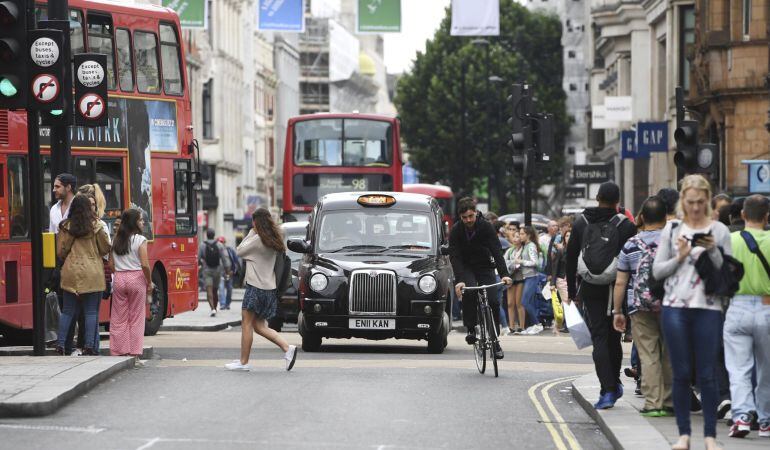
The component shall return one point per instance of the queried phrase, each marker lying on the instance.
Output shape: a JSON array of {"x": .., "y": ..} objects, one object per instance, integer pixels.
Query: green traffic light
[
  {"x": 7, "y": 88},
  {"x": 57, "y": 112}
]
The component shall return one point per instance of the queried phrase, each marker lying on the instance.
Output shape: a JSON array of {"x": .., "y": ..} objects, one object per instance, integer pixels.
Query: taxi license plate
[{"x": 372, "y": 324}]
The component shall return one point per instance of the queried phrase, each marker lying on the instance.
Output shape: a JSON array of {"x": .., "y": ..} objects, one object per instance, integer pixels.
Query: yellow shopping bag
[{"x": 558, "y": 312}]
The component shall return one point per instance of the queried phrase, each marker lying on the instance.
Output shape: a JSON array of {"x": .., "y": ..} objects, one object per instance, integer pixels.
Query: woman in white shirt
[
  {"x": 691, "y": 319},
  {"x": 132, "y": 285},
  {"x": 260, "y": 303}
]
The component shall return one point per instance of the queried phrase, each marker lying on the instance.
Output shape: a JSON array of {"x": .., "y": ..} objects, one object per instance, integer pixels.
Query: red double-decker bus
[
  {"x": 443, "y": 195},
  {"x": 142, "y": 159},
  {"x": 328, "y": 152}
]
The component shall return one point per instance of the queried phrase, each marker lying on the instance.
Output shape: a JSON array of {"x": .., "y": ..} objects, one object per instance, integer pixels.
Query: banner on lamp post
[
  {"x": 192, "y": 13},
  {"x": 378, "y": 16},
  {"x": 281, "y": 15},
  {"x": 599, "y": 119},
  {"x": 475, "y": 18},
  {"x": 618, "y": 109}
]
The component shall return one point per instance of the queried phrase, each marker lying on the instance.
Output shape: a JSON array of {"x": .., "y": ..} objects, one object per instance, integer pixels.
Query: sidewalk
[
  {"x": 626, "y": 429},
  {"x": 38, "y": 386},
  {"x": 199, "y": 320}
]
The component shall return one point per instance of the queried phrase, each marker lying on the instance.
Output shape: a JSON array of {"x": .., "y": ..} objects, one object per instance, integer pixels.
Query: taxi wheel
[
  {"x": 437, "y": 341},
  {"x": 311, "y": 342}
]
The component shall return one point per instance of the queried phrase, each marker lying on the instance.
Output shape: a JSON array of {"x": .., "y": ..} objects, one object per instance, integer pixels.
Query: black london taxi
[{"x": 375, "y": 266}]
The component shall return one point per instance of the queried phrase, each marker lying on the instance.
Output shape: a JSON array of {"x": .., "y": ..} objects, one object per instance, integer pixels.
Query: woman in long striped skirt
[{"x": 132, "y": 285}]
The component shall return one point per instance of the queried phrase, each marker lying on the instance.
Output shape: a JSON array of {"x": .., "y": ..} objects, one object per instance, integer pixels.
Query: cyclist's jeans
[{"x": 469, "y": 298}]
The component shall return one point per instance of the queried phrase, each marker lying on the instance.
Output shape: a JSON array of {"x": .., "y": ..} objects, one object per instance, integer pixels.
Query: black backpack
[
  {"x": 211, "y": 254},
  {"x": 598, "y": 259},
  {"x": 282, "y": 271}
]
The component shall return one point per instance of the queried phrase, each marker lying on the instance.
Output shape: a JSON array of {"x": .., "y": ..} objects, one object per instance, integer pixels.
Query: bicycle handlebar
[{"x": 478, "y": 288}]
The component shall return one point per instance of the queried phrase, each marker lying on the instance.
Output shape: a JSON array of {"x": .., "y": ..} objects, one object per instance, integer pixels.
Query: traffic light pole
[
  {"x": 36, "y": 220},
  {"x": 61, "y": 156}
]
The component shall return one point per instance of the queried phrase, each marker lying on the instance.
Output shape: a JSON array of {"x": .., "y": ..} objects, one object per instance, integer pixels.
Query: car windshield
[{"x": 376, "y": 231}]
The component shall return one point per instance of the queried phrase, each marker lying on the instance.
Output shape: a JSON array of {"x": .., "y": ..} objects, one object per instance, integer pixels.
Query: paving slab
[
  {"x": 622, "y": 425},
  {"x": 626, "y": 429},
  {"x": 104, "y": 350},
  {"x": 39, "y": 385},
  {"x": 199, "y": 320}
]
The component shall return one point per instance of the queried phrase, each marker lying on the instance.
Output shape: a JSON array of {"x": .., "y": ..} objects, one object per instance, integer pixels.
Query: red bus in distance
[
  {"x": 328, "y": 152},
  {"x": 442, "y": 194},
  {"x": 143, "y": 158}
]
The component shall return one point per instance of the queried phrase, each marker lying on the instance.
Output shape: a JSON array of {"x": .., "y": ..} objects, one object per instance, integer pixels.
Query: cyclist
[{"x": 475, "y": 252}]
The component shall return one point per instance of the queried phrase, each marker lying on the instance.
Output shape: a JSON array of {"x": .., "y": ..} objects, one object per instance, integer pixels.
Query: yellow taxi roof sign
[{"x": 376, "y": 200}]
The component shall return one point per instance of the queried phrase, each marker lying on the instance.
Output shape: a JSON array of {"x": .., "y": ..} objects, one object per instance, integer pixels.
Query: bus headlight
[
  {"x": 427, "y": 284},
  {"x": 318, "y": 282}
]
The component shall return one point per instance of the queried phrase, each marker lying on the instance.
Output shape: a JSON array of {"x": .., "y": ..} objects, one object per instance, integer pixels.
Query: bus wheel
[
  {"x": 157, "y": 307},
  {"x": 15, "y": 336}
]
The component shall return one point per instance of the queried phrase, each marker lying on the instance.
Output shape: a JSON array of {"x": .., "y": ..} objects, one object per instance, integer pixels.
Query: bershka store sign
[{"x": 593, "y": 173}]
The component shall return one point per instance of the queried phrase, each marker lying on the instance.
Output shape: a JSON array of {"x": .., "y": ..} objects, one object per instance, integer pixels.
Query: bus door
[{"x": 15, "y": 258}]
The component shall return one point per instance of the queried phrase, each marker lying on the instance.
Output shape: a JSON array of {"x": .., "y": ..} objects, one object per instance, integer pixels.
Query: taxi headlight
[
  {"x": 318, "y": 282},
  {"x": 427, "y": 284}
]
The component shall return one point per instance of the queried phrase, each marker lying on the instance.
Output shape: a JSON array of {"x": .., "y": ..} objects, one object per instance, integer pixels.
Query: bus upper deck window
[
  {"x": 100, "y": 41},
  {"x": 77, "y": 43},
  {"x": 170, "y": 59},
  {"x": 125, "y": 63},
  {"x": 146, "y": 56}
]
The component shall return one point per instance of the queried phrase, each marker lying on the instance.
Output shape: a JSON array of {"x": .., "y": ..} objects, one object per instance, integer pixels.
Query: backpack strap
[
  {"x": 754, "y": 248},
  {"x": 618, "y": 219}
]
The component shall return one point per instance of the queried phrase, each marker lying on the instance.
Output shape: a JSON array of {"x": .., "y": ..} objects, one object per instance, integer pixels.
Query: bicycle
[{"x": 486, "y": 335}]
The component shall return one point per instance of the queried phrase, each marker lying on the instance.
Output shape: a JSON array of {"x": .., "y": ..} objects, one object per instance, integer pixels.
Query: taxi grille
[{"x": 372, "y": 292}]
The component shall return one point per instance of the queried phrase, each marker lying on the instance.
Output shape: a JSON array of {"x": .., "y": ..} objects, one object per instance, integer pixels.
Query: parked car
[
  {"x": 375, "y": 266},
  {"x": 288, "y": 304}
]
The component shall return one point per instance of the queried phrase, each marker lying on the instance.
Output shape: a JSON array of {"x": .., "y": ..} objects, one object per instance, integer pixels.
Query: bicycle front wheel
[
  {"x": 489, "y": 321},
  {"x": 479, "y": 347}
]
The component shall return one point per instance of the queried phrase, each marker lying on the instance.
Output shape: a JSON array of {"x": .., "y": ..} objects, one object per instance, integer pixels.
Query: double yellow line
[{"x": 565, "y": 435}]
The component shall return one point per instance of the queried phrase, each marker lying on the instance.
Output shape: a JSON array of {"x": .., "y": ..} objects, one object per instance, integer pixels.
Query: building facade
[{"x": 727, "y": 83}]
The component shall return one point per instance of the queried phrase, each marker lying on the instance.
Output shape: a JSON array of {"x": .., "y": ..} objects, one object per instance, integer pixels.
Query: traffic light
[
  {"x": 519, "y": 121},
  {"x": 686, "y": 136},
  {"x": 545, "y": 137},
  {"x": 13, "y": 62}
]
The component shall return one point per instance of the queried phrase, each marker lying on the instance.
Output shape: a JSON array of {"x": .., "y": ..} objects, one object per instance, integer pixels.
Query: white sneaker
[
  {"x": 236, "y": 365},
  {"x": 290, "y": 357},
  {"x": 213, "y": 313}
]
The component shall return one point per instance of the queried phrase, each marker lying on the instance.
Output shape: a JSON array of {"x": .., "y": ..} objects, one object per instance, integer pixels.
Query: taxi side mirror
[
  {"x": 444, "y": 250},
  {"x": 298, "y": 245}
]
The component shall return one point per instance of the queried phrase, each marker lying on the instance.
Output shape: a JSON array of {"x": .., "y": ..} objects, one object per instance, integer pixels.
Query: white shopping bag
[
  {"x": 547, "y": 291},
  {"x": 578, "y": 329}
]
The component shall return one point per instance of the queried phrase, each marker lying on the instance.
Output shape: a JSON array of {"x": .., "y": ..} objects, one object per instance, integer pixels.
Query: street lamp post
[{"x": 485, "y": 43}]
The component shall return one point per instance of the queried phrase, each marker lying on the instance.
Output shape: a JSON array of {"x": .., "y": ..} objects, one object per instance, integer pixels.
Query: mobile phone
[{"x": 698, "y": 236}]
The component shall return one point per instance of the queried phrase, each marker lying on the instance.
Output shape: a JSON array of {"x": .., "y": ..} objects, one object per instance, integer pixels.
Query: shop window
[{"x": 208, "y": 110}]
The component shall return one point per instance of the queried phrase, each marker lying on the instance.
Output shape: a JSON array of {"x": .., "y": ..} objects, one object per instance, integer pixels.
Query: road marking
[
  {"x": 508, "y": 366},
  {"x": 546, "y": 420},
  {"x": 90, "y": 429},
  {"x": 562, "y": 424},
  {"x": 149, "y": 444}
]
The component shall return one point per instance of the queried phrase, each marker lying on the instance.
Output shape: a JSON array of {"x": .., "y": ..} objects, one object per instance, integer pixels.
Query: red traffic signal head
[{"x": 686, "y": 133}]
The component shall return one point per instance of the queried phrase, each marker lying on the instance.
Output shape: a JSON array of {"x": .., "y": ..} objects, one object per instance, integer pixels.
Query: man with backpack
[
  {"x": 747, "y": 326},
  {"x": 635, "y": 282},
  {"x": 598, "y": 235},
  {"x": 212, "y": 258}
]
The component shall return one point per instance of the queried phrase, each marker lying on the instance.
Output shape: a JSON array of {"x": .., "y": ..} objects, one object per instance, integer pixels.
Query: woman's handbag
[{"x": 723, "y": 281}]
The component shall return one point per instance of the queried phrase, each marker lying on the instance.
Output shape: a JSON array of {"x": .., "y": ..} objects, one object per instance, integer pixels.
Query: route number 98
[{"x": 359, "y": 184}]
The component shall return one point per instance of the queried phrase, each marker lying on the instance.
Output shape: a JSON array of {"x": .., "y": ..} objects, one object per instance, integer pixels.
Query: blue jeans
[
  {"x": 225, "y": 292},
  {"x": 529, "y": 301},
  {"x": 502, "y": 300},
  {"x": 747, "y": 346},
  {"x": 72, "y": 305},
  {"x": 692, "y": 332}
]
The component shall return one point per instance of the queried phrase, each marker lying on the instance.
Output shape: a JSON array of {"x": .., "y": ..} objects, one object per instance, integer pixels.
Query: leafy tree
[{"x": 430, "y": 102}]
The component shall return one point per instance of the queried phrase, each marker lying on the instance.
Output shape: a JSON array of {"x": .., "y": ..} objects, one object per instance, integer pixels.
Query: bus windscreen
[
  {"x": 343, "y": 143},
  {"x": 309, "y": 187}
]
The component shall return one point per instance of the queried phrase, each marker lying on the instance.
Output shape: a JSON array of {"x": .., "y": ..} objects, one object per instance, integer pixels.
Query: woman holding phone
[{"x": 692, "y": 320}]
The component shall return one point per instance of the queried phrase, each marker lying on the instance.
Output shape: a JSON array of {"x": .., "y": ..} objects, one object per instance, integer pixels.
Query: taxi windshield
[{"x": 375, "y": 230}]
